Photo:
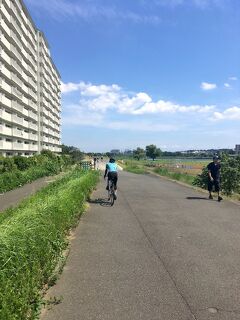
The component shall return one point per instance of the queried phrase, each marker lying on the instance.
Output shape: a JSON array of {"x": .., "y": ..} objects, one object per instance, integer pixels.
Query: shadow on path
[
  {"x": 101, "y": 202},
  {"x": 196, "y": 198}
]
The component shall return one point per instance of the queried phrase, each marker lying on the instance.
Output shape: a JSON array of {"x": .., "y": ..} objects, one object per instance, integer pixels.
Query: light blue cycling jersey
[{"x": 111, "y": 167}]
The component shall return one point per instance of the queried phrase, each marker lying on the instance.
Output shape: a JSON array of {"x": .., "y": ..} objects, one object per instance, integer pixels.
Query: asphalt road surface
[{"x": 162, "y": 252}]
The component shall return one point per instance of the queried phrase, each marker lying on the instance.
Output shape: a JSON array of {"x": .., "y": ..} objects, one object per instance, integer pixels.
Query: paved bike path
[{"x": 162, "y": 252}]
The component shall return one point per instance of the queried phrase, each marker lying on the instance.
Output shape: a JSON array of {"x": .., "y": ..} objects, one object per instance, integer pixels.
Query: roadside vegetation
[
  {"x": 32, "y": 241},
  {"x": 17, "y": 171},
  {"x": 190, "y": 171}
]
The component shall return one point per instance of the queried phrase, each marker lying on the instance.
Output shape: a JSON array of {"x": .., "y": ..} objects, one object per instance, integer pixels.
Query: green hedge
[{"x": 32, "y": 238}]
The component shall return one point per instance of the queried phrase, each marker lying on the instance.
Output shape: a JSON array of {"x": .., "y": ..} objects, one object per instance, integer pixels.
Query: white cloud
[
  {"x": 90, "y": 11},
  {"x": 208, "y": 86},
  {"x": 232, "y": 113},
  {"x": 227, "y": 85},
  {"x": 69, "y": 87},
  {"x": 233, "y": 78},
  {"x": 110, "y": 106},
  {"x": 101, "y": 98}
]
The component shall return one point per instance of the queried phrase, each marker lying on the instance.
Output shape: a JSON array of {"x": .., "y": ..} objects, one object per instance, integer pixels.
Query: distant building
[{"x": 237, "y": 148}]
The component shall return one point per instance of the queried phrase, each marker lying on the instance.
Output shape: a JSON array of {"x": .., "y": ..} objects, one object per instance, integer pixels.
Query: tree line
[{"x": 151, "y": 151}]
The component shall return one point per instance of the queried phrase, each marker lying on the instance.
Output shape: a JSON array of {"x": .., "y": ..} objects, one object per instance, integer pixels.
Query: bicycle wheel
[
  {"x": 112, "y": 199},
  {"x": 111, "y": 195}
]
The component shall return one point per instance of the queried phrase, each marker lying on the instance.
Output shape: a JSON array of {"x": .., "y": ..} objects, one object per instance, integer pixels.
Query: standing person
[
  {"x": 94, "y": 162},
  {"x": 214, "y": 177},
  {"x": 111, "y": 172}
]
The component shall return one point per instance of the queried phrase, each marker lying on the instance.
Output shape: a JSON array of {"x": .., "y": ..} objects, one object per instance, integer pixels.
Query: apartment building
[
  {"x": 237, "y": 148},
  {"x": 30, "y": 105}
]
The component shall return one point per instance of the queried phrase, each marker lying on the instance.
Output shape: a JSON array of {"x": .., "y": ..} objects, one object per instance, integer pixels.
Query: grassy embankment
[
  {"x": 32, "y": 241},
  {"x": 180, "y": 170}
]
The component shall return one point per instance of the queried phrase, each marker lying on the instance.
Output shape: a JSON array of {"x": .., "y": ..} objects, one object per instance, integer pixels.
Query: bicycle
[{"x": 111, "y": 192}]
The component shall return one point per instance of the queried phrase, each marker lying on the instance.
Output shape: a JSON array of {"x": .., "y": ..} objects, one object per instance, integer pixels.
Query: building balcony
[
  {"x": 25, "y": 100},
  {"x": 5, "y": 130},
  {"x": 33, "y": 147},
  {"x": 17, "y": 106},
  {"x": 7, "y": 73},
  {"x": 5, "y": 27},
  {"x": 16, "y": 66},
  {"x": 15, "y": 25},
  {"x": 16, "y": 53},
  {"x": 33, "y": 115},
  {"x": 5, "y": 13},
  {"x": 32, "y": 104},
  {"x": 33, "y": 126},
  {"x": 5, "y": 101},
  {"x": 32, "y": 83},
  {"x": 33, "y": 137},
  {"x": 17, "y": 120},
  {"x": 17, "y": 93},
  {"x": 4, "y": 86},
  {"x": 5, "y": 56},
  {"x": 5, "y": 145},
  {"x": 45, "y": 139},
  {"x": 19, "y": 146},
  {"x": 32, "y": 94},
  {"x": 16, "y": 80},
  {"x": 4, "y": 41},
  {"x": 32, "y": 72},
  {"x": 20, "y": 134},
  {"x": 16, "y": 40}
]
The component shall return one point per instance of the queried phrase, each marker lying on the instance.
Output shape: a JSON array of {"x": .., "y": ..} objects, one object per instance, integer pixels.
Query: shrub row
[{"x": 32, "y": 238}]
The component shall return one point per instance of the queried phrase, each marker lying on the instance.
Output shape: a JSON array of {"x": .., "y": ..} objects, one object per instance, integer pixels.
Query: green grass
[
  {"x": 184, "y": 177},
  {"x": 145, "y": 166},
  {"x": 134, "y": 166},
  {"x": 32, "y": 240}
]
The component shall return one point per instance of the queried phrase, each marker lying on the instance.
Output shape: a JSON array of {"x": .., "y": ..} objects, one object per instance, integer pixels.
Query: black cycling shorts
[
  {"x": 215, "y": 184},
  {"x": 114, "y": 177}
]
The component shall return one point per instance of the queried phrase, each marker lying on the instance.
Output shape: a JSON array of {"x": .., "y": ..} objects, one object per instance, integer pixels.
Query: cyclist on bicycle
[{"x": 112, "y": 174}]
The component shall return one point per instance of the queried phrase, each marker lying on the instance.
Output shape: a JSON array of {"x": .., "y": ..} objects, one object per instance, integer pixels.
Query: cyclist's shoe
[
  {"x": 210, "y": 197},
  {"x": 219, "y": 198},
  {"x": 115, "y": 196}
]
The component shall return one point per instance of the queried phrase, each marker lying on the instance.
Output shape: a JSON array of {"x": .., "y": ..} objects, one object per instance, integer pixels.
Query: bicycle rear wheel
[{"x": 112, "y": 198}]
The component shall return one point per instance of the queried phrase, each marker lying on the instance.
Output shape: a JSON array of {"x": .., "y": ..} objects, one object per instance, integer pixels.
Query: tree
[
  {"x": 139, "y": 153},
  {"x": 153, "y": 152},
  {"x": 73, "y": 152}
]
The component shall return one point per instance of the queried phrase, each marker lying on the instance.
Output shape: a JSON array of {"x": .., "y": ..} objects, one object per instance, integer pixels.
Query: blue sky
[{"x": 137, "y": 72}]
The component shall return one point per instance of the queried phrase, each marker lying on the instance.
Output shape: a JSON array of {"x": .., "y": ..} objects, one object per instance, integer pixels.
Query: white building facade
[{"x": 30, "y": 105}]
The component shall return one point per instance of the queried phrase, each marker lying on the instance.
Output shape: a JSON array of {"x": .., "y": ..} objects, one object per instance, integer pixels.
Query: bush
[
  {"x": 22, "y": 163},
  {"x": 7, "y": 165},
  {"x": 230, "y": 175},
  {"x": 32, "y": 239}
]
